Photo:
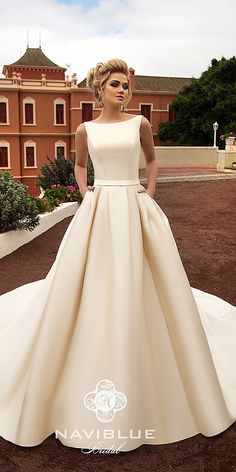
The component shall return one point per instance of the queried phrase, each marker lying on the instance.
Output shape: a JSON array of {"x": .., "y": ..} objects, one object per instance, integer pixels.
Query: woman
[{"x": 136, "y": 355}]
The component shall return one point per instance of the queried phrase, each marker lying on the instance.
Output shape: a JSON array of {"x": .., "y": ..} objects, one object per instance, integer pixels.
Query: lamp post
[{"x": 215, "y": 128}]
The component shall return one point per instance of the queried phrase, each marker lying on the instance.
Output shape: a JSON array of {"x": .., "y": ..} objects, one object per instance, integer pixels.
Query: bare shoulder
[
  {"x": 145, "y": 123},
  {"x": 81, "y": 130},
  {"x": 81, "y": 135}
]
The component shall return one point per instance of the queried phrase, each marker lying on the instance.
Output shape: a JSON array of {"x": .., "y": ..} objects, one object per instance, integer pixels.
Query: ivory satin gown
[{"x": 114, "y": 348}]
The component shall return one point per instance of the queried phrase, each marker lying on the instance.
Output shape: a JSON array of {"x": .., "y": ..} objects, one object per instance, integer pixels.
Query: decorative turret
[{"x": 33, "y": 64}]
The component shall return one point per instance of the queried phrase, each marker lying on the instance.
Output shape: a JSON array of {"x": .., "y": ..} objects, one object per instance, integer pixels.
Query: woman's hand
[
  {"x": 148, "y": 191},
  {"x": 89, "y": 187}
]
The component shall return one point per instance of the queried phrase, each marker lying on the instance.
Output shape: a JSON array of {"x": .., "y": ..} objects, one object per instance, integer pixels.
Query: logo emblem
[{"x": 105, "y": 400}]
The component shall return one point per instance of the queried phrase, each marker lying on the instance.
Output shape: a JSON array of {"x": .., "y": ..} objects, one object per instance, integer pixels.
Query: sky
[{"x": 176, "y": 38}]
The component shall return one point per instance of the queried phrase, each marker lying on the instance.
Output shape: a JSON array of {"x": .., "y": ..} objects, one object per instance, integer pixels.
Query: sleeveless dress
[{"x": 114, "y": 349}]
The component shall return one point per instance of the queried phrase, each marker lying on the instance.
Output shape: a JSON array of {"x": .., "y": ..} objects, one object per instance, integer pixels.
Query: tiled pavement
[{"x": 187, "y": 174}]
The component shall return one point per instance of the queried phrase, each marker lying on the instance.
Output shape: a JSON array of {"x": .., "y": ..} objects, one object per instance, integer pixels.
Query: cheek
[{"x": 109, "y": 91}]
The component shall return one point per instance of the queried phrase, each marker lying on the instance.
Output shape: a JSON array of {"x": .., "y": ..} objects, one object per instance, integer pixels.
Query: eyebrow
[{"x": 114, "y": 80}]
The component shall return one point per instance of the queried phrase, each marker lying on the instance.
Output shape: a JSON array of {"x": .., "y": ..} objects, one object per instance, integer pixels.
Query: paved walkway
[
  {"x": 203, "y": 220},
  {"x": 189, "y": 174}
]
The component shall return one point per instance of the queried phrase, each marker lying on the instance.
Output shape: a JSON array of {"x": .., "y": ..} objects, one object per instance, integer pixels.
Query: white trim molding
[
  {"x": 7, "y": 145},
  {"x": 5, "y": 100},
  {"x": 30, "y": 144}
]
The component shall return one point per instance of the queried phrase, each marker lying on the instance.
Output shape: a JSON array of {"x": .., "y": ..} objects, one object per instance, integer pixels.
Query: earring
[{"x": 101, "y": 102}]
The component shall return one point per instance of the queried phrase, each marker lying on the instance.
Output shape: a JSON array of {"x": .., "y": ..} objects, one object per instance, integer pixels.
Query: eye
[{"x": 125, "y": 86}]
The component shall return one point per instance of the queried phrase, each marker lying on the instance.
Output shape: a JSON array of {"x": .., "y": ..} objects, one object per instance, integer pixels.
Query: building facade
[{"x": 40, "y": 110}]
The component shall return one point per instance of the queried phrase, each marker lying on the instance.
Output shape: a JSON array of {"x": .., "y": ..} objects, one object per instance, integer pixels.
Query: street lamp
[{"x": 215, "y": 128}]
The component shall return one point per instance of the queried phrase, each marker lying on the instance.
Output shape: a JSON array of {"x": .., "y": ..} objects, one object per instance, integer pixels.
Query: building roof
[
  {"x": 35, "y": 57},
  {"x": 161, "y": 84},
  {"x": 156, "y": 84}
]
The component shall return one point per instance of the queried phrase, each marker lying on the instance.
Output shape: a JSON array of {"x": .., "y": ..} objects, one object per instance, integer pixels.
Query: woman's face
[{"x": 116, "y": 89}]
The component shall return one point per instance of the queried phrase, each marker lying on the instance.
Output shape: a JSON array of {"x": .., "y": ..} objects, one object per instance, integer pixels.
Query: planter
[
  {"x": 12, "y": 240},
  {"x": 229, "y": 143}
]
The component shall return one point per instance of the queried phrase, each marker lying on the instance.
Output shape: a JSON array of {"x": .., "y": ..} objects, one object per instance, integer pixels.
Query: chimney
[{"x": 132, "y": 77}]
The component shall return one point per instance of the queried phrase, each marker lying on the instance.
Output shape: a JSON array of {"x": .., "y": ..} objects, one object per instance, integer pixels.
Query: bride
[{"x": 114, "y": 348}]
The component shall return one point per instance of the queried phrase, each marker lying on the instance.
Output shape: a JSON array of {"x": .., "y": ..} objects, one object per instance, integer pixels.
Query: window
[
  {"x": 60, "y": 149},
  {"x": 59, "y": 112},
  {"x": 87, "y": 112},
  {"x": 4, "y": 120},
  {"x": 4, "y": 156},
  {"x": 146, "y": 111},
  {"x": 3, "y": 112},
  {"x": 29, "y": 156},
  {"x": 29, "y": 111},
  {"x": 172, "y": 113}
]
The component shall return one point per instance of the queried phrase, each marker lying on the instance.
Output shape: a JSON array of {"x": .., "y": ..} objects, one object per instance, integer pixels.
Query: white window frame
[
  {"x": 59, "y": 101},
  {"x": 149, "y": 104},
  {"x": 60, "y": 144},
  {"x": 6, "y": 144},
  {"x": 30, "y": 143},
  {"x": 32, "y": 101},
  {"x": 5, "y": 100}
]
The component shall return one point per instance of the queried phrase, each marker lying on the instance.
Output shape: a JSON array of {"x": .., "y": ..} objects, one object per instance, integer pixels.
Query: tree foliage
[{"x": 210, "y": 98}]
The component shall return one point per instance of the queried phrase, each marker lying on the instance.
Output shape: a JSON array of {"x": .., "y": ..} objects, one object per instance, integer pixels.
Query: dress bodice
[{"x": 115, "y": 148}]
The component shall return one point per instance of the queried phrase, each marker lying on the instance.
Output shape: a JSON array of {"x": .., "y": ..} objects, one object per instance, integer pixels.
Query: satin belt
[{"x": 116, "y": 182}]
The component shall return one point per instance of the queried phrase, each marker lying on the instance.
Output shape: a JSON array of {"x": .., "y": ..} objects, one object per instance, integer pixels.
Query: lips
[{"x": 120, "y": 96}]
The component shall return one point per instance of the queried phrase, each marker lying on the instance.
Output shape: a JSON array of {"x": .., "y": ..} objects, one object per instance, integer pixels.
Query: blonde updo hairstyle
[{"x": 98, "y": 75}]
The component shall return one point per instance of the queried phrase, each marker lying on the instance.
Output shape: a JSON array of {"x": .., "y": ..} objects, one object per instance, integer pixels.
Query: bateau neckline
[{"x": 114, "y": 122}]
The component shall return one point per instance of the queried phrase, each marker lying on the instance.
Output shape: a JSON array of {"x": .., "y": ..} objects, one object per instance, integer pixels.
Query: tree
[{"x": 210, "y": 98}]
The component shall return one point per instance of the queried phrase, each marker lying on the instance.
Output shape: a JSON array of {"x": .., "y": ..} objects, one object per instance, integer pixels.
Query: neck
[{"x": 109, "y": 113}]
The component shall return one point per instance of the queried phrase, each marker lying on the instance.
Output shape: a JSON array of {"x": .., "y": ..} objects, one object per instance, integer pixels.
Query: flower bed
[{"x": 11, "y": 240}]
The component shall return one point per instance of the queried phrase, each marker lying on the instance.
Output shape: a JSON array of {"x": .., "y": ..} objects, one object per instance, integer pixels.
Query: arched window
[
  {"x": 59, "y": 112},
  {"x": 4, "y": 111},
  {"x": 29, "y": 111},
  {"x": 30, "y": 154},
  {"x": 4, "y": 155},
  {"x": 60, "y": 149}
]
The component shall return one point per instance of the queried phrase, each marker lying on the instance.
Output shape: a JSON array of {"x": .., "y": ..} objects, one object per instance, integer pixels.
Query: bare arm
[
  {"x": 81, "y": 159},
  {"x": 149, "y": 153}
]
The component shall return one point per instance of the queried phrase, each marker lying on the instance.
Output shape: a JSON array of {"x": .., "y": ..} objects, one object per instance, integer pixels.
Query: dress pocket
[{"x": 145, "y": 193}]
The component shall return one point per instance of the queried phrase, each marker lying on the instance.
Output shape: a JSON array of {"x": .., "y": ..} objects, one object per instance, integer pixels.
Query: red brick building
[{"x": 40, "y": 110}]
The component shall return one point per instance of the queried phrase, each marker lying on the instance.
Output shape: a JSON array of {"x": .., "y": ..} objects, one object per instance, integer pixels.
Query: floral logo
[{"x": 105, "y": 400}]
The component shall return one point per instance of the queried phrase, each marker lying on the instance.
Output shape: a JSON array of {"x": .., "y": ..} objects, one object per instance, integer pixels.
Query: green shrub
[
  {"x": 57, "y": 171},
  {"x": 52, "y": 197},
  {"x": 45, "y": 204},
  {"x": 18, "y": 209},
  {"x": 61, "y": 171}
]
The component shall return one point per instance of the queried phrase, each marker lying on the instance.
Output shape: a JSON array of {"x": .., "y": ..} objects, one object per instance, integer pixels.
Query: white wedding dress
[{"x": 114, "y": 349}]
